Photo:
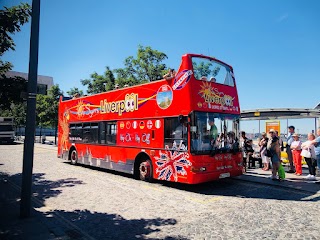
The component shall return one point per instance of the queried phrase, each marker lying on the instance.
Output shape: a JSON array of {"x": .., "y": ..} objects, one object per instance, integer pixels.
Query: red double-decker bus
[{"x": 184, "y": 129}]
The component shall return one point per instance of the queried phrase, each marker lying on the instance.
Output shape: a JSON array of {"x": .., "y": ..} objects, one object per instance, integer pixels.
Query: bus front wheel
[
  {"x": 145, "y": 170},
  {"x": 74, "y": 157}
]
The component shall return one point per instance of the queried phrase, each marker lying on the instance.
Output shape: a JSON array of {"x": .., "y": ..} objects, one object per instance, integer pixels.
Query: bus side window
[
  {"x": 75, "y": 134},
  {"x": 111, "y": 133},
  {"x": 102, "y": 132},
  {"x": 174, "y": 131}
]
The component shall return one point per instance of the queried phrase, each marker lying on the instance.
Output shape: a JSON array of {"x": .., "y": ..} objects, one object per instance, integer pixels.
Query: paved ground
[{"x": 76, "y": 202}]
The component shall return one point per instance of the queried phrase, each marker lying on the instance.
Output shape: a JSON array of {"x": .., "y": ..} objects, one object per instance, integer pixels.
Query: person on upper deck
[
  {"x": 212, "y": 79},
  {"x": 170, "y": 75}
]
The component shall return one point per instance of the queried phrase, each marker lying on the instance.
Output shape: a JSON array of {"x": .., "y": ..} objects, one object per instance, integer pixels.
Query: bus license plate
[{"x": 224, "y": 175}]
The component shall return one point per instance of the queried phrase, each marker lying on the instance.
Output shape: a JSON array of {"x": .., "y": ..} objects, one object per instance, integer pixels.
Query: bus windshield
[
  {"x": 214, "y": 132},
  {"x": 209, "y": 70}
]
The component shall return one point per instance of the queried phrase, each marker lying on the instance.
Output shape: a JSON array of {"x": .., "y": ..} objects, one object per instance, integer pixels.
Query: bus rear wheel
[
  {"x": 145, "y": 170},
  {"x": 74, "y": 157}
]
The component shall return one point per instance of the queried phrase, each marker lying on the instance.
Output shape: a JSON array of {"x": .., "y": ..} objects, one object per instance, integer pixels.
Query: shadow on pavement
[
  {"x": 112, "y": 226},
  {"x": 78, "y": 224},
  {"x": 251, "y": 188},
  {"x": 10, "y": 143},
  {"x": 254, "y": 186},
  {"x": 43, "y": 188}
]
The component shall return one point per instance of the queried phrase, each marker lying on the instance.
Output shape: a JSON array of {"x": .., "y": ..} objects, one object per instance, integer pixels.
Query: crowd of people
[{"x": 270, "y": 147}]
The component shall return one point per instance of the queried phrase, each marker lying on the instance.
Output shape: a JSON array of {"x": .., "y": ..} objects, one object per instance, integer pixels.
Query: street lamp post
[{"x": 26, "y": 185}]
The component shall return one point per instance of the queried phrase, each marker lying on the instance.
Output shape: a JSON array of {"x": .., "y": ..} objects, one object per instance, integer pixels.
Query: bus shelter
[{"x": 282, "y": 113}]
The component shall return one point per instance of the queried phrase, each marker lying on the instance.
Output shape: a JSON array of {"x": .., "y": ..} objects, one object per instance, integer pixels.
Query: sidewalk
[
  {"x": 39, "y": 226},
  {"x": 291, "y": 181},
  {"x": 36, "y": 227}
]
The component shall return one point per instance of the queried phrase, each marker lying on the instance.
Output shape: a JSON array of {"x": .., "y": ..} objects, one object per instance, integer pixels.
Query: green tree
[
  {"x": 43, "y": 111},
  {"x": 47, "y": 108},
  {"x": 99, "y": 83},
  {"x": 10, "y": 91},
  {"x": 73, "y": 91},
  {"x": 146, "y": 67},
  {"x": 18, "y": 112},
  {"x": 54, "y": 94},
  {"x": 11, "y": 20}
]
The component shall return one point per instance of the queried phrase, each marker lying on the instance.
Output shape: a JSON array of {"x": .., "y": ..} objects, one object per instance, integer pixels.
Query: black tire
[
  {"x": 74, "y": 157},
  {"x": 145, "y": 170}
]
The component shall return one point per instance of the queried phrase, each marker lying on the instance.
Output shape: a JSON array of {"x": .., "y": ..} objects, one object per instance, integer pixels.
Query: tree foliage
[
  {"x": 99, "y": 83},
  {"x": 47, "y": 107},
  {"x": 73, "y": 91},
  {"x": 18, "y": 112},
  {"x": 11, "y": 20},
  {"x": 146, "y": 67},
  {"x": 10, "y": 91}
]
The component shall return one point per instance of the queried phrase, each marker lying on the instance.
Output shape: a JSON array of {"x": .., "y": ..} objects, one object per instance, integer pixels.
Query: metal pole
[{"x": 26, "y": 186}]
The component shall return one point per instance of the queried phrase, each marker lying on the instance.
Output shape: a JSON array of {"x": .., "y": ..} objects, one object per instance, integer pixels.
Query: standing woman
[
  {"x": 296, "y": 154},
  {"x": 274, "y": 148},
  {"x": 311, "y": 161},
  {"x": 263, "y": 151}
]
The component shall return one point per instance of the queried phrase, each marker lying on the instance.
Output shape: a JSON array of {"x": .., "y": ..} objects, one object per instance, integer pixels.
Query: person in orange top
[{"x": 296, "y": 151}]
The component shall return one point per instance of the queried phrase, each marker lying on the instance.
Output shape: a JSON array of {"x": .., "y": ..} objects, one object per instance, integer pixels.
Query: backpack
[
  {"x": 269, "y": 146},
  {"x": 268, "y": 153}
]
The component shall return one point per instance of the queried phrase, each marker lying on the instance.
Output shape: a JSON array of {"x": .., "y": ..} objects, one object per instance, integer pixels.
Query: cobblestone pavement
[{"x": 103, "y": 204}]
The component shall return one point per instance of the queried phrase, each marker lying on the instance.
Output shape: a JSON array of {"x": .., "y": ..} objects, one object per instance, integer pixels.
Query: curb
[{"x": 248, "y": 178}]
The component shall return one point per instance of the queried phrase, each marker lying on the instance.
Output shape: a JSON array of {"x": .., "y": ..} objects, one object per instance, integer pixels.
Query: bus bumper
[{"x": 202, "y": 177}]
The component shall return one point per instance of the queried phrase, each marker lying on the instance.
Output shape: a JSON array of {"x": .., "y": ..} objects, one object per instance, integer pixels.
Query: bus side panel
[{"x": 108, "y": 157}]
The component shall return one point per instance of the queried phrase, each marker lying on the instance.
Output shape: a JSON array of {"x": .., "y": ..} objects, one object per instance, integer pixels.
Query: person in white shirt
[
  {"x": 311, "y": 161},
  {"x": 288, "y": 149},
  {"x": 296, "y": 153},
  {"x": 263, "y": 150}
]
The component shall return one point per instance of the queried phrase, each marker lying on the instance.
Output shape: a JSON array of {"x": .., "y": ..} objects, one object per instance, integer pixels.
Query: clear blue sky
[{"x": 273, "y": 46}]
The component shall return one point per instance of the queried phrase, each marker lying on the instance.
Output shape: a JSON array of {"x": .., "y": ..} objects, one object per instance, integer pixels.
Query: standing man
[
  {"x": 288, "y": 149},
  {"x": 247, "y": 151}
]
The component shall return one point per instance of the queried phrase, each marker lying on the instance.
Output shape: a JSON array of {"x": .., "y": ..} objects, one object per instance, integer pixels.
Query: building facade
[{"x": 44, "y": 83}]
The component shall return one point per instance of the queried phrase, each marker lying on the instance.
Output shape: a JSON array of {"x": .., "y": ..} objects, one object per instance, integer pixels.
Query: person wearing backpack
[{"x": 273, "y": 148}]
